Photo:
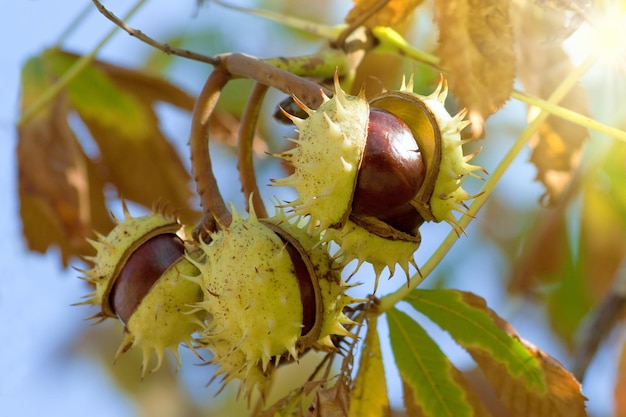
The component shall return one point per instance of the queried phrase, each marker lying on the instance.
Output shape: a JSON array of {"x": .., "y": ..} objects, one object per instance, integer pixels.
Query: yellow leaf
[
  {"x": 369, "y": 392},
  {"x": 331, "y": 401},
  {"x": 388, "y": 13},
  {"x": 476, "y": 46}
]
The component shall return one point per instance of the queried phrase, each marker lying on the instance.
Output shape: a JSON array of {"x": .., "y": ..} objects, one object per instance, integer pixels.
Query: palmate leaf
[
  {"x": 426, "y": 369},
  {"x": 527, "y": 380},
  {"x": 465, "y": 317},
  {"x": 140, "y": 161},
  {"x": 61, "y": 188}
]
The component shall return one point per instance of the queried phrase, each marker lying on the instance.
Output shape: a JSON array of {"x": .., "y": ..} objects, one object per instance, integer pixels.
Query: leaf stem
[
  {"x": 569, "y": 115},
  {"x": 80, "y": 65},
  {"x": 390, "y": 300}
]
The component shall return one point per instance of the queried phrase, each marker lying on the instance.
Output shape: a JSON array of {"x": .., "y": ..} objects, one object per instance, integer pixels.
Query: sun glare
[{"x": 604, "y": 34}]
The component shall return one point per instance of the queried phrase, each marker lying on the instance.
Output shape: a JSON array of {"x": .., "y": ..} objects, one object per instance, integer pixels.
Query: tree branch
[{"x": 163, "y": 47}]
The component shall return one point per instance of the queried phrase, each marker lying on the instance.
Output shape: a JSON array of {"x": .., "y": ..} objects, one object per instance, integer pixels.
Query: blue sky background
[{"x": 40, "y": 372}]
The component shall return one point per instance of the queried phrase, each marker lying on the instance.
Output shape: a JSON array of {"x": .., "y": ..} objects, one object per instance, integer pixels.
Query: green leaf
[
  {"x": 467, "y": 319},
  {"x": 369, "y": 392},
  {"x": 95, "y": 96},
  {"x": 425, "y": 368}
]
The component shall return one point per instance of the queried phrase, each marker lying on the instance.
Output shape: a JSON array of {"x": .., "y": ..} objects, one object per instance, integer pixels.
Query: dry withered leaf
[
  {"x": 62, "y": 188},
  {"x": 140, "y": 161},
  {"x": 61, "y": 195},
  {"x": 369, "y": 391},
  {"x": 542, "y": 66},
  {"x": 331, "y": 401},
  {"x": 389, "y": 13},
  {"x": 411, "y": 406},
  {"x": 476, "y": 47},
  {"x": 579, "y": 278},
  {"x": 563, "y": 396}
]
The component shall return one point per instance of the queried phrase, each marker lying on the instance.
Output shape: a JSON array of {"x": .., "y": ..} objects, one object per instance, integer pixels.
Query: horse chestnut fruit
[
  {"x": 271, "y": 292},
  {"x": 369, "y": 173},
  {"x": 140, "y": 275}
]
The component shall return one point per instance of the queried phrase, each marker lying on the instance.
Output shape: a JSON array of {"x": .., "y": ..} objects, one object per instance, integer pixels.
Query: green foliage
[{"x": 425, "y": 368}]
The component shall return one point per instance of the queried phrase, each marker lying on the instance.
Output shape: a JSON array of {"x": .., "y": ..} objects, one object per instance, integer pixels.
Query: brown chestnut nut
[{"x": 391, "y": 173}]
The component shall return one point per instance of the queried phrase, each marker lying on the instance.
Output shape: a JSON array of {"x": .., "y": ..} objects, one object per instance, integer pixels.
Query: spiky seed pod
[
  {"x": 271, "y": 292},
  {"x": 326, "y": 159},
  {"x": 139, "y": 273},
  {"x": 370, "y": 173}
]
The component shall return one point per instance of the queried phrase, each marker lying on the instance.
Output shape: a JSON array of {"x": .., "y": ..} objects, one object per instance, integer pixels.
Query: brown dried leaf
[
  {"x": 61, "y": 197},
  {"x": 333, "y": 401},
  {"x": 390, "y": 13},
  {"x": 116, "y": 105},
  {"x": 476, "y": 46},
  {"x": 410, "y": 405},
  {"x": 563, "y": 396},
  {"x": 542, "y": 67}
]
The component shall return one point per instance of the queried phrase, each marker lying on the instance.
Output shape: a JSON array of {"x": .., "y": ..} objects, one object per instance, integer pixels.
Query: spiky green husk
[
  {"x": 250, "y": 292},
  {"x": 448, "y": 194},
  {"x": 326, "y": 159},
  {"x": 328, "y": 275},
  {"x": 358, "y": 243},
  {"x": 164, "y": 319},
  {"x": 252, "y": 296}
]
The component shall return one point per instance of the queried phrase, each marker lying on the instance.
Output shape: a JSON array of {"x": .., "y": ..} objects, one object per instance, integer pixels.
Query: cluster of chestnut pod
[{"x": 258, "y": 291}]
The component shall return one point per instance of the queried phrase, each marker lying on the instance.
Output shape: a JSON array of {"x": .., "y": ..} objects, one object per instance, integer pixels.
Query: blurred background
[{"x": 54, "y": 363}]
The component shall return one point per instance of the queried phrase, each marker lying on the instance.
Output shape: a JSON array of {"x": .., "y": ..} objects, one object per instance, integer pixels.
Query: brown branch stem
[
  {"x": 163, "y": 47},
  {"x": 201, "y": 167},
  {"x": 246, "y": 66},
  {"x": 247, "y": 128}
]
